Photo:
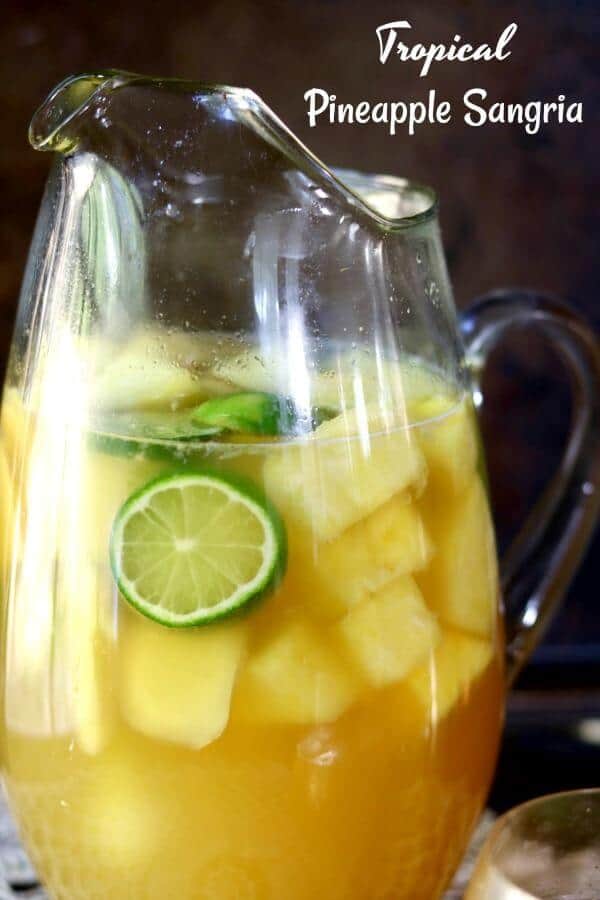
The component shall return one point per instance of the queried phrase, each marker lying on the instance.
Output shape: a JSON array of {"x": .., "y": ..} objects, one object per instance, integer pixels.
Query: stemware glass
[{"x": 547, "y": 849}]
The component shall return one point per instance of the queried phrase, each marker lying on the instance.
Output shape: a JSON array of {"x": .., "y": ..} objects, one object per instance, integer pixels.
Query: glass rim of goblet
[{"x": 517, "y": 811}]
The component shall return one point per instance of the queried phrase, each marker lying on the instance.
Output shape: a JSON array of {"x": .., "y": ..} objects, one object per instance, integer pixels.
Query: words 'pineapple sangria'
[{"x": 252, "y": 645}]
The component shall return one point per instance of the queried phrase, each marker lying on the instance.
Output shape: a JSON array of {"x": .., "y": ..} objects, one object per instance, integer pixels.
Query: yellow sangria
[{"x": 252, "y": 652}]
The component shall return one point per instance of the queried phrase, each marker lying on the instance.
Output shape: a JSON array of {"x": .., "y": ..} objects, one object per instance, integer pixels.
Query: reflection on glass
[
  {"x": 251, "y": 620},
  {"x": 548, "y": 849}
]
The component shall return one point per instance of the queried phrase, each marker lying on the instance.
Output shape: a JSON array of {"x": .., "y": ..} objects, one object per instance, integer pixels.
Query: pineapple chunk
[
  {"x": 345, "y": 378},
  {"x": 390, "y": 633},
  {"x": 392, "y": 541},
  {"x": 402, "y": 384},
  {"x": 93, "y": 716},
  {"x": 176, "y": 685},
  {"x": 251, "y": 371},
  {"x": 35, "y": 692},
  {"x": 16, "y": 435},
  {"x": 7, "y": 515},
  {"x": 461, "y": 582},
  {"x": 57, "y": 652},
  {"x": 450, "y": 444},
  {"x": 457, "y": 662},
  {"x": 82, "y": 592},
  {"x": 107, "y": 480},
  {"x": 124, "y": 823},
  {"x": 143, "y": 376},
  {"x": 198, "y": 349},
  {"x": 328, "y": 485},
  {"x": 15, "y": 428},
  {"x": 421, "y": 385},
  {"x": 192, "y": 349},
  {"x": 296, "y": 678}
]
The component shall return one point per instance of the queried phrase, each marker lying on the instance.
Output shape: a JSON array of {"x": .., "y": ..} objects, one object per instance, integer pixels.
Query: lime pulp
[{"x": 192, "y": 548}]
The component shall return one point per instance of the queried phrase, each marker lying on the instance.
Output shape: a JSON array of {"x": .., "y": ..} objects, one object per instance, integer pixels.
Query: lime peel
[
  {"x": 154, "y": 544},
  {"x": 252, "y": 412}
]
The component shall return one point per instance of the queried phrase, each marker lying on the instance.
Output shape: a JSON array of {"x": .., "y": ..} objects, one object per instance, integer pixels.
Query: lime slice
[
  {"x": 322, "y": 414},
  {"x": 118, "y": 446},
  {"x": 193, "y": 547},
  {"x": 157, "y": 426},
  {"x": 155, "y": 435},
  {"x": 251, "y": 412}
]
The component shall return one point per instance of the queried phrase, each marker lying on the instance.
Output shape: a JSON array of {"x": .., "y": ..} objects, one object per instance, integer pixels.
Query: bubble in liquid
[{"x": 319, "y": 748}]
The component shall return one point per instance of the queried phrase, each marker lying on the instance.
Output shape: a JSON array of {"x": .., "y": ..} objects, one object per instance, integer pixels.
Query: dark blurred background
[{"x": 516, "y": 209}]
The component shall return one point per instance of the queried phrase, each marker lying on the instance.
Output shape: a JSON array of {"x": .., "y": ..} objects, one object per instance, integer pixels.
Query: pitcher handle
[{"x": 543, "y": 558}]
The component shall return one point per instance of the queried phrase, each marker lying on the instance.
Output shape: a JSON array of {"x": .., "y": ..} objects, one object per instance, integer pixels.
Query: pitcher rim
[{"x": 44, "y": 130}]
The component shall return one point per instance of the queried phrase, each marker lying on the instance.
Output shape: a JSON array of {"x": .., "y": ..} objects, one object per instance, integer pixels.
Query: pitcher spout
[
  {"x": 54, "y": 124},
  {"x": 195, "y": 137}
]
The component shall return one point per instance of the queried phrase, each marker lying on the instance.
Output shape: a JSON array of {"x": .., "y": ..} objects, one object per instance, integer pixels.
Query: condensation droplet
[{"x": 172, "y": 211}]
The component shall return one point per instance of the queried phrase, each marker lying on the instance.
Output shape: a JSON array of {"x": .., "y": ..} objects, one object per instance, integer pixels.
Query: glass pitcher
[{"x": 253, "y": 643}]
